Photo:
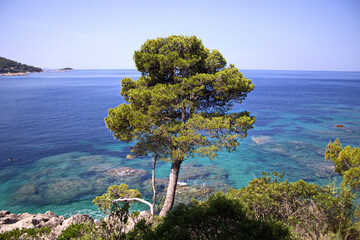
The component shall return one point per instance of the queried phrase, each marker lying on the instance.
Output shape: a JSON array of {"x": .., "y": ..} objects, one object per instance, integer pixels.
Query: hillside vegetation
[{"x": 9, "y": 66}]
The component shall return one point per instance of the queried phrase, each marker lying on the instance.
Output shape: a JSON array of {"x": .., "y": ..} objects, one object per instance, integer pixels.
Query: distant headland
[{"x": 11, "y": 68}]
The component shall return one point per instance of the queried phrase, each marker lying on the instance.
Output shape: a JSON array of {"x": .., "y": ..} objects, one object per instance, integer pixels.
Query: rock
[
  {"x": 78, "y": 218},
  {"x": 55, "y": 221},
  {"x": 260, "y": 140},
  {"x": 181, "y": 184},
  {"x": 201, "y": 174},
  {"x": 323, "y": 170},
  {"x": 126, "y": 172},
  {"x": 27, "y": 193},
  {"x": 9, "y": 221},
  {"x": 3, "y": 213},
  {"x": 51, "y": 214},
  {"x": 14, "y": 74},
  {"x": 91, "y": 160},
  {"x": 194, "y": 174},
  {"x": 65, "y": 190},
  {"x": 40, "y": 219},
  {"x": 133, "y": 220}
]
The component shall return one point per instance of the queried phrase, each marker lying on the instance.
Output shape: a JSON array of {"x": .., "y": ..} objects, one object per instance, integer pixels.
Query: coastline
[
  {"x": 27, "y": 73},
  {"x": 56, "y": 223},
  {"x": 14, "y": 74}
]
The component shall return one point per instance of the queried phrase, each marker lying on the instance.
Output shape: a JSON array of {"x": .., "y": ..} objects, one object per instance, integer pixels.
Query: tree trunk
[
  {"x": 153, "y": 181},
  {"x": 170, "y": 194}
]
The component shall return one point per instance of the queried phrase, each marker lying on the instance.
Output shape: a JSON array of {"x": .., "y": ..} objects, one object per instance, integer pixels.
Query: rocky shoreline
[
  {"x": 10, "y": 221},
  {"x": 14, "y": 74},
  {"x": 56, "y": 224},
  {"x": 27, "y": 73}
]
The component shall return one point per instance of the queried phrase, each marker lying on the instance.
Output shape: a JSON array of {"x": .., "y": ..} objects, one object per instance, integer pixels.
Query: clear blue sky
[{"x": 253, "y": 34}]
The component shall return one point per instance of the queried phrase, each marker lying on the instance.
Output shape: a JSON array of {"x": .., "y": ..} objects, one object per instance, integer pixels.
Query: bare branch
[{"x": 136, "y": 199}]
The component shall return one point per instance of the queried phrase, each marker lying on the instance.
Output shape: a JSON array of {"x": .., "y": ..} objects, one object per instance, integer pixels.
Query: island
[
  {"x": 11, "y": 68},
  {"x": 65, "y": 69}
]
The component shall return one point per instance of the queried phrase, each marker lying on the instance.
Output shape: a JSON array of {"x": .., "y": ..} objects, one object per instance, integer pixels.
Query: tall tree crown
[
  {"x": 168, "y": 60},
  {"x": 182, "y": 103}
]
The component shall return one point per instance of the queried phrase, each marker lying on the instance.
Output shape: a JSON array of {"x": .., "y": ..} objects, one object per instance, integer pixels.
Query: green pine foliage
[
  {"x": 181, "y": 104},
  {"x": 346, "y": 161},
  {"x": 9, "y": 66},
  {"x": 105, "y": 202},
  {"x": 311, "y": 211}
]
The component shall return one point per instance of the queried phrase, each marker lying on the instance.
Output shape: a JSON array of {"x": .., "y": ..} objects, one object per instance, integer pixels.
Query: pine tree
[{"x": 181, "y": 106}]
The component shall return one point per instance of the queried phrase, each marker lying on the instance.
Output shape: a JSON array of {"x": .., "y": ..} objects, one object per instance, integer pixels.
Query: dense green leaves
[
  {"x": 182, "y": 101},
  {"x": 26, "y": 233},
  {"x": 181, "y": 105},
  {"x": 310, "y": 210},
  {"x": 346, "y": 161},
  {"x": 105, "y": 202},
  {"x": 168, "y": 60},
  {"x": 219, "y": 217}
]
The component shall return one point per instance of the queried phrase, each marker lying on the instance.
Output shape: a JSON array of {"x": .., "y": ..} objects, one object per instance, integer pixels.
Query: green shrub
[
  {"x": 310, "y": 210},
  {"x": 30, "y": 233},
  {"x": 219, "y": 217},
  {"x": 74, "y": 231}
]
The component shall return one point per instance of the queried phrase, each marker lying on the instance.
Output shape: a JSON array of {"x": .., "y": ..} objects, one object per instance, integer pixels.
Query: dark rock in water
[
  {"x": 55, "y": 190},
  {"x": 195, "y": 181},
  {"x": 27, "y": 193},
  {"x": 208, "y": 173},
  {"x": 91, "y": 160},
  {"x": 65, "y": 190},
  {"x": 126, "y": 172},
  {"x": 185, "y": 194},
  {"x": 323, "y": 170},
  {"x": 9, "y": 221},
  {"x": 160, "y": 184}
]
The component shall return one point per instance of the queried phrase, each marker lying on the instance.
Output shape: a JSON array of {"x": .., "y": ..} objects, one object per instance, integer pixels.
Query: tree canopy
[{"x": 181, "y": 106}]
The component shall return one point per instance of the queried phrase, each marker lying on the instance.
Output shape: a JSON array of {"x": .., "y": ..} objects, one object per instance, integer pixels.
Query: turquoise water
[{"x": 52, "y": 125}]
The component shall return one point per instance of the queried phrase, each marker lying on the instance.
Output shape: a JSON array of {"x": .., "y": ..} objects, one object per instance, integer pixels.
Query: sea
[{"x": 56, "y": 152}]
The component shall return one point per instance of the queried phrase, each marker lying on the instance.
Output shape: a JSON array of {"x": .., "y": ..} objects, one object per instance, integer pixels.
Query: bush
[
  {"x": 74, "y": 231},
  {"x": 30, "y": 233},
  {"x": 310, "y": 210},
  {"x": 219, "y": 217}
]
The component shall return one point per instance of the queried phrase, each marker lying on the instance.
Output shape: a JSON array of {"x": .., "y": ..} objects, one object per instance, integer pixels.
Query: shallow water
[{"x": 52, "y": 125}]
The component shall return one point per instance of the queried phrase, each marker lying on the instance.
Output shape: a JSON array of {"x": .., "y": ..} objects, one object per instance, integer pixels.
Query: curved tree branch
[{"x": 136, "y": 199}]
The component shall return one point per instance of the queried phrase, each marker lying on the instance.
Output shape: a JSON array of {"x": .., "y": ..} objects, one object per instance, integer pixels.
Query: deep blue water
[{"x": 52, "y": 125}]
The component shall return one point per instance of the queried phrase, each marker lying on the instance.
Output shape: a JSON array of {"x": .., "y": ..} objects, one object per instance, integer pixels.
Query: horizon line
[{"x": 248, "y": 69}]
